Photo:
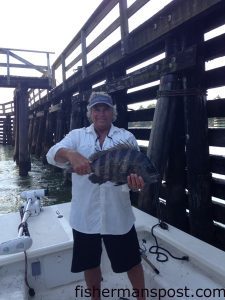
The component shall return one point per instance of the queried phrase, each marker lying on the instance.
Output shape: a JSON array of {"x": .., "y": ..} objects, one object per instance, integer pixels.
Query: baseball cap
[{"x": 100, "y": 98}]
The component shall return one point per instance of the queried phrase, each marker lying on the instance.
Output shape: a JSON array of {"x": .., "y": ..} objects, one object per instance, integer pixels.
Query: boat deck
[{"x": 49, "y": 260}]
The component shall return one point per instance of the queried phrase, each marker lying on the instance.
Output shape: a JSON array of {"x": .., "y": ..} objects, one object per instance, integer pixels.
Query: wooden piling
[
  {"x": 48, "y": 135},
  {"x": 34, "y": 135},
  {"x": 197, "y": 147},
  {"x": 7, "y": 131},
  {"x": 78, "y": 115},
  {"x": 175, "y": 175},
  {"x": 40, "y": 135},
  {"x": 23, "y": 153},
  {"x": 59, "y": 126},
  {"x": 120, "y": 101},
  {"x": 160, "y": 141},
  {"x": 16, "y": 128},
  {"x": 30, "y": 131}
]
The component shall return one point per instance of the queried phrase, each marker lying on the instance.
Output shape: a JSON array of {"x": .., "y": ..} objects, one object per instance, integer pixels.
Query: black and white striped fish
[{"x": 116, "y": 163}]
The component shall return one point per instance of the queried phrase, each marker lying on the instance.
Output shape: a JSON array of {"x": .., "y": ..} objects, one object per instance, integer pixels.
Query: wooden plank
[
  {"x": 215, "y": 77},
  {"x": 30, "y": 82},
  {"x": 124, "y": 30},
  {"x": 181, "y": 61},
  {"x": 98, "y": 15},
  {"x": 216, "y": 137},
  {"x": 83, "y": 52},
  {"x": 112, "y": 27},
  {"x": 218, "y": 208},
  {"x": 219, "y": 213},
  {"x": 141, "y": 115},
  {"x": 215, "y": 19},
  {"x": 73, "y": 62},
  {"x": 103, "y": 9},
  {"x": 26, "y": 62},
  {"x": 22, "y": 66},
  {"x": 217, "y": 164},
  {"x": 143, "y": 95},
  {"x": 216, "y": 108},
  {"x": 140, "y": 133},
  {"x": 67, "y": 51},
  {"x": 218, "y": 188},
  {"x": 180, "y": 12},
  {"x": 24, "y": 50},
  {"x": 215, "y": 47},
  {"x": 135, "y": 7}
]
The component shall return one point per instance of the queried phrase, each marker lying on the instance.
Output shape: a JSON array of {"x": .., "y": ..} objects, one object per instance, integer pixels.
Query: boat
[{"x": 35, "y": 259}]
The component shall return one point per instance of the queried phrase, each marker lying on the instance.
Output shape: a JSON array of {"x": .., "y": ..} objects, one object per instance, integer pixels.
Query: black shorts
[{"x": 123, "y": 251}]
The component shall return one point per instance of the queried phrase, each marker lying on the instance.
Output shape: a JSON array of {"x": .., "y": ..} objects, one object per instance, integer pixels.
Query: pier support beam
[
  {"x": 197, "y": 147},
  {"x": 7, "y": 131},
  {"x": 22, "y": 156},
  {"x": 160, "y": 142}
]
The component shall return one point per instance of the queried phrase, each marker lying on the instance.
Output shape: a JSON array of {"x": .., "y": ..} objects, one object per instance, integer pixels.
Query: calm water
[{"x": 41, "y": 176}]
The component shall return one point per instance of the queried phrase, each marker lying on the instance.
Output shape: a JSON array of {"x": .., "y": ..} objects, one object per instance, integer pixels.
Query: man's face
[{"x": 101, "y": 116}]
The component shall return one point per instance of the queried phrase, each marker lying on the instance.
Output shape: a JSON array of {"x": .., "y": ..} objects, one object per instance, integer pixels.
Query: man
[{"x": 100, "y": 212}]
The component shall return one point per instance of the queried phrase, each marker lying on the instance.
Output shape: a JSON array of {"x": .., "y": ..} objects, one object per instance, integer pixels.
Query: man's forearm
[
  {"x": 78, "y": 163},
  {"x": 62, "y": 155}
]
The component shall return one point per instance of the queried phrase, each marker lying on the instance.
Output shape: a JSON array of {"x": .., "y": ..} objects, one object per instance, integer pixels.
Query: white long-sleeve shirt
[{"x": 95, "y": 208}]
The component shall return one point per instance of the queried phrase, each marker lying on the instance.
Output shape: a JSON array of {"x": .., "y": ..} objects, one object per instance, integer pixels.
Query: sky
[
  {"x": 49, "y": 25},
  {"x": 45, "y": 25}
]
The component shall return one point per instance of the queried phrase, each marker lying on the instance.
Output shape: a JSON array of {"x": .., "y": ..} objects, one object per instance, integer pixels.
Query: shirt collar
[{"x": 113, "y": 129}]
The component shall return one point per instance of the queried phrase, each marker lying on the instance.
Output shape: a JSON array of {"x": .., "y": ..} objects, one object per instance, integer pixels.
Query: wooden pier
[{"x": 191, "y": 193}]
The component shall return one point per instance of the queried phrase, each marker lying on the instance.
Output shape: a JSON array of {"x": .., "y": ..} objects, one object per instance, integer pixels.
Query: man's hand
[
  {"x": 135, "y": 182},
  {"x": 79, "y": 163}
]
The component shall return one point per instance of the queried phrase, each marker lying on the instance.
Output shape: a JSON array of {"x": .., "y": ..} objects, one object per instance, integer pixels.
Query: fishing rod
[{"x": 32, "y": 207}]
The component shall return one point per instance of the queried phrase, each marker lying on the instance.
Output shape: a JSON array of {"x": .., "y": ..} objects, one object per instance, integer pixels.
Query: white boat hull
[{"x": 49, "y": 260}]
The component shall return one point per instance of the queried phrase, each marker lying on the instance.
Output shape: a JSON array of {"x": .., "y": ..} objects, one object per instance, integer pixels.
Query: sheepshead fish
[{"x": 116, "y": 163}]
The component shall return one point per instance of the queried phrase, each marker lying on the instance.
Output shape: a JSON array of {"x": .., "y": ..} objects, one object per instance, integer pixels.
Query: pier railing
[{"x": 25, "y": 60}]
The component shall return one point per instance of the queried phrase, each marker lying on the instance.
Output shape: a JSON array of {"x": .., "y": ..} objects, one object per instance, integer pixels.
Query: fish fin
[
  {"x": 96, "y": 155},
  {"x": 124, "y": 144},
  {"x": 95, "y": 179},
  {"x": 117, "y": 146}
]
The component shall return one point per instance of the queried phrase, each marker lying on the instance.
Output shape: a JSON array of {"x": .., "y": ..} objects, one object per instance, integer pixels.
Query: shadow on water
[{"x": 40, "y": 177}]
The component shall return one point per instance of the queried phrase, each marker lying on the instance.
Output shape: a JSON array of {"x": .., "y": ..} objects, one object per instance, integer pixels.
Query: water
[
  {"x": 43, "y": 176},
  {"x": 40, "y": 177}
]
